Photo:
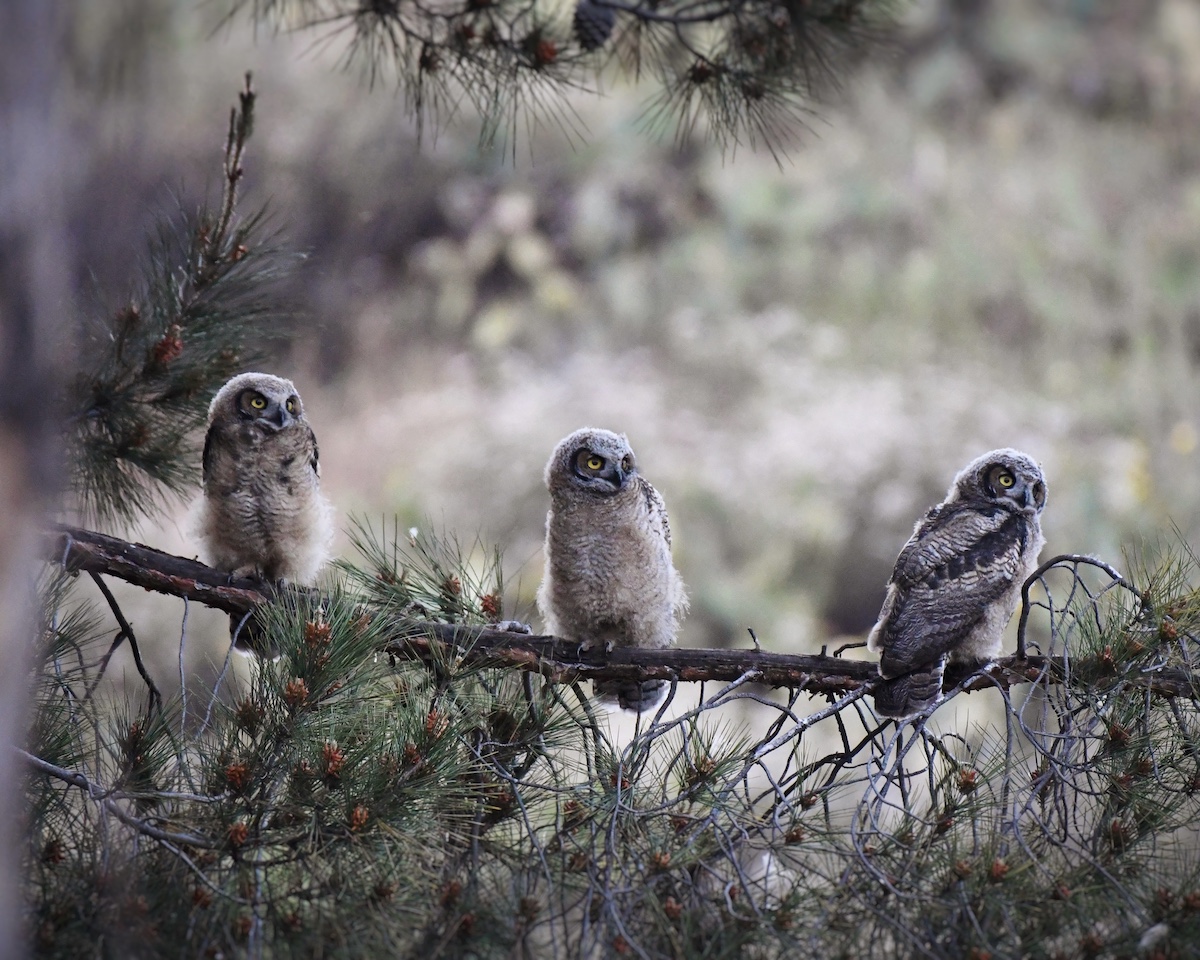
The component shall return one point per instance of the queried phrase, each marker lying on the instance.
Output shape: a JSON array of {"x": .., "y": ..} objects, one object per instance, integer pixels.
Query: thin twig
[
  {"x": 108, "y": 799},
  {"x": 182, "y": 674},
  {"x": 127, "y": 633},
  {"x": 1072, "y": 558}
]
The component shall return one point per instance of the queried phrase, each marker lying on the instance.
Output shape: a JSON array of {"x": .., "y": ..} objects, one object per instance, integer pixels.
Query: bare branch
[
  {"x": 110, "y": 801},
  {"x": 78, "y": 549},
  {"x": 125, "y": 633}
]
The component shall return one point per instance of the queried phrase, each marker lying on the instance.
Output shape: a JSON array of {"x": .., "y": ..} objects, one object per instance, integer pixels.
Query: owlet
[
  {"x": 609, "y": 578},
  {"x": 958, "y": 580},
  {"x": 262, "y": 513}
]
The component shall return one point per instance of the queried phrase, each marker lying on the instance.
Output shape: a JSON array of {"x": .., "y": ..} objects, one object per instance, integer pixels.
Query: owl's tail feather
[
  {"x": 252, "y": 639},
  {"x": 911, "y": 693},
  {"x": 631, "y": 694}
]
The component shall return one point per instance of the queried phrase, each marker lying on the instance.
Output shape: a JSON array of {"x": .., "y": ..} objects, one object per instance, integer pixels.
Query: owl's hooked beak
[
  {"x": 620, "y": 476},
  {"x": 615, "y": 478},
  {"x": 280, "y": 417}
]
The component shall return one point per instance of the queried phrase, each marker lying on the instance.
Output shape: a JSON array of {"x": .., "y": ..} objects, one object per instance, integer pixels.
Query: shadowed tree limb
[
  {"x": 111, "y": 800},
  {"x": 562, "y": 661},
  {"x": 77, "y": 549}
]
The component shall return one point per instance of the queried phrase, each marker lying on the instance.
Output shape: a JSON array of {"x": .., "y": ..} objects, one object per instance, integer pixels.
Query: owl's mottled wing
[
  {"x": 657, "y": 509},
  {"x": 314, "y": 460},
  {"x": 962, "y": 559},
  {"x": 212, "y": 440}
]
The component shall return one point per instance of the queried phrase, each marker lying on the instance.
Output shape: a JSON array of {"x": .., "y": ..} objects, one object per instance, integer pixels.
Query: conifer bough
[
  {"x": 564, "y": 662},
  {"x": 751, "y": 69},
  {"x": 203, "y": 304}
]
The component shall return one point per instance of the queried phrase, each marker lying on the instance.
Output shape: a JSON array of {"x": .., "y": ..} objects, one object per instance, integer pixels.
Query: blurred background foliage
[{"x": 992, "y": 238}]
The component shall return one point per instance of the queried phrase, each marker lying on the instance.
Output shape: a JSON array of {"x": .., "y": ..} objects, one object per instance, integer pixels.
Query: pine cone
[{"x": 593, "y": 24}]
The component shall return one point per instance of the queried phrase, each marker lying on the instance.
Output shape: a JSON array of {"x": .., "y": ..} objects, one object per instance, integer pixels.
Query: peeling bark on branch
[
  {"x": 560, "y": 660},
  {"x": 78, "y": 549}
]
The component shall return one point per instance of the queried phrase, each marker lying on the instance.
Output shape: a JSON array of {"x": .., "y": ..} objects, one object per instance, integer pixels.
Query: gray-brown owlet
[
  {"x": 958, "y": 580},
  {"x": 609, "y": 578},
  {"x": 263, "y": 514}
]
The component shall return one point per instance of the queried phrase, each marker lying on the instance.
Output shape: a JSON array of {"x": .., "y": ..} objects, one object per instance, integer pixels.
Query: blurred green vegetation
[{"x": 992, "y": 239}]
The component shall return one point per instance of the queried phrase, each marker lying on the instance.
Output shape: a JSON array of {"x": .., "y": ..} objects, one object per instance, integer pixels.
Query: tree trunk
[{"x": 35, "y": 288}]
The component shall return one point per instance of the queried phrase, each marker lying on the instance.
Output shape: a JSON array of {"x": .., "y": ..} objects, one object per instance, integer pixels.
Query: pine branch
[
  {"x": 562, "y": 661},
  {"x": 82, "y": 550},
  {"x": 203, "y": 305},
  {"x": 427, "y": 809},
  {"x": 752, "y": 69}
]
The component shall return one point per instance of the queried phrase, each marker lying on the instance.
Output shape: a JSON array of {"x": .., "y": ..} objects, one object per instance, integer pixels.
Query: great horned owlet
[
  {"x": 609, "y": 578},
  {"x": 958, "y": 580},
  {"x": 262, "y": 513}
]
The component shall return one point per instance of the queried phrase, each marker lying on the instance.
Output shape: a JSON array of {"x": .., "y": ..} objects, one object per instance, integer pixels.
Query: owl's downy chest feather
[
  {"x": 604, "y": 546},
  {"x": 262, "y": 479},
  {"x": 608, "y": 560}
]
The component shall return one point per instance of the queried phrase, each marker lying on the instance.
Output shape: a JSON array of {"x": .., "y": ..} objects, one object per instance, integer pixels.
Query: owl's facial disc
[
  {"x": 1035, "y": 495},
  {"x": 1002, "y": 482},
  {"x": 270, "y": 414},
  {"x": 601, "y": 474}
]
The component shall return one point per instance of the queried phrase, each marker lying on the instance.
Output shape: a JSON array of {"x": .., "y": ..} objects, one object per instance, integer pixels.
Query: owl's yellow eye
[
  {"x": 627, "y": 463},
  {"x": 595, "y": 463},
  {"x": 291, "y": 406},
  {"x": 258, "y": 402},
  {"x": 1005, "y": 480}
]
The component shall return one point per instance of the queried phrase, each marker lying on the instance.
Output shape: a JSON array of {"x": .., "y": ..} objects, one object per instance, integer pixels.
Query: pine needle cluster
[
  {"x": 201, "y": 309},
  {"x": 750, "y": 71}
]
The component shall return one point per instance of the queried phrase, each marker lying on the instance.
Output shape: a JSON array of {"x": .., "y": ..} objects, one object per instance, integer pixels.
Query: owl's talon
[{"x": 511, "y": 626}]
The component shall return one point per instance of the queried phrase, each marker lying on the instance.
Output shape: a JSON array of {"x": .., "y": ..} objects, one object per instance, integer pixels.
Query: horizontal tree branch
[
  {"x": 557, "y": 659},
  {"x": 77, "y": 549}
]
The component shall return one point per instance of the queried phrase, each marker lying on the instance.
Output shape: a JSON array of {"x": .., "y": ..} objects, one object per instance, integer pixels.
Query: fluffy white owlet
[
  {"x": 958, "y": 580},
  {"x": 262, "y": 513},
  {"x": 609, "y": 578}
]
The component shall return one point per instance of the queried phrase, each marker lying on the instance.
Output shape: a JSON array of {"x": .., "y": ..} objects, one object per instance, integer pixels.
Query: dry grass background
[{"x": 993, "y": 239}]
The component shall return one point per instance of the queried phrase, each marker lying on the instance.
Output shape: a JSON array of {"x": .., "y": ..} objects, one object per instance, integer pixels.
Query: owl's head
[
  {"x": 1003, "y": 476},
  {"x": 594, "y": 461},
  {"x": 267, "y": 401}
]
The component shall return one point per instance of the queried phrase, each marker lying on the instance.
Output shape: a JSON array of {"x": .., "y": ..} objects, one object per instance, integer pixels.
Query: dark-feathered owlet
[{"x": 958, "y": 580}]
